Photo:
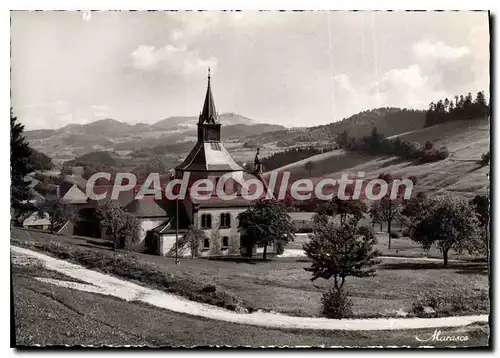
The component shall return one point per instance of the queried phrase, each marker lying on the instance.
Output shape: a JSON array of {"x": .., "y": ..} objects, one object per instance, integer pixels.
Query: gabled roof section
[
  {"x": 146, "y": 207},
  {"x": 75, "y": 196},
  {"x": 209, "y": 157},
  {"x": 209, "y": 113}
]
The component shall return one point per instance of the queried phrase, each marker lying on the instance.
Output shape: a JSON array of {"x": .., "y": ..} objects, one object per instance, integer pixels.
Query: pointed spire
[{"x": 208, "y": 114}]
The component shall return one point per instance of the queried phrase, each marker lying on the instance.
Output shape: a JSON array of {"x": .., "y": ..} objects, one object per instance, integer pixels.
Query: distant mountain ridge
[{"x": 73, "y": 140}]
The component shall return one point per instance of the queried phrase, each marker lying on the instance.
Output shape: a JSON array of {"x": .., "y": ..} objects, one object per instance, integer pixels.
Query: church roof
[
  {"x": 209, "y": 113},
  {"x": 146, "y": 207},
  {"x": 211, "y": 156}
]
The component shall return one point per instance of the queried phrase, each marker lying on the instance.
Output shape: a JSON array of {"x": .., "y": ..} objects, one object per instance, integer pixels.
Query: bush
[
  {"x": 485, "y": 158},
  {"x": 394, "y": 235},
  {"x": 336, "y": 304},
  {"x": 209, "y": 288},
  {"x": 405, "y": 233},
  {"x": 450, "y": 304}
]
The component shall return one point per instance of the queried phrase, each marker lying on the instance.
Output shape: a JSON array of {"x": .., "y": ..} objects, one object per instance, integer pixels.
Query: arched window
[
  {"x": 206, "y": 221},
  {"x": 225, "y": 220},
  {"x": 225, "y": 242}
]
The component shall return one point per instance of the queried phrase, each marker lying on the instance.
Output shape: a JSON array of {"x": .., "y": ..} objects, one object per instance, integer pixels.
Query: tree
[
  {"x": 58, "y": 211},
  {"x": 404, "y": 221},
  {"x": 388, "y": 209},
  {"x": 375, "y": 214},
  {"x": 414, "y": 207},
  {"x": 265, "y": 223},
  {"x": 481, "y": 107},
  {"x": 447, "y": 223},
  {"x": 193, "y": 236},
  {"x": 20, "y": 166},
  {"x": 119, "y": 224},
  {"x": 309, "y": 166},
  {"x": 40, "y": 161},
  {"x": 481, "y": 205},
  {"x": 340, "y": 251},
  {"x": 345, "y": 209}
]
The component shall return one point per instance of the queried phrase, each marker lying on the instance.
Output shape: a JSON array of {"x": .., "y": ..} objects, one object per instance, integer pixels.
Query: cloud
[
  {"x": 192, "y": 24},
  {"x": 170, "y": 58},
  {"x": 439, "y": 51},
  {"x": 408, "y": 87},
  {"x": 343, "y": 83}
]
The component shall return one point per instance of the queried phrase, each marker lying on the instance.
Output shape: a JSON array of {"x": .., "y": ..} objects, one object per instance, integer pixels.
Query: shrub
[
  {"x": 428, "y": 145},
  {"x": 209, "y": 288},
  {"x": 433, "y": 300},
  {"x": 336, "y": 304},
  {"x": 485, "y": 158},
  {"x": 394, "y": 235},
  {"x": 405, "y": 233},
  {"x": 450, "y": 304}
]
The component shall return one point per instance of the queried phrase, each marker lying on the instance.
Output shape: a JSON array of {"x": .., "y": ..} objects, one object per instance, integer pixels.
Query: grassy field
[
  {"x": 400, "y": 247},
  {"x": 49, "y": 315},
  {"x": 282, "y": 285},
  {"x": 460, "y": 173}
]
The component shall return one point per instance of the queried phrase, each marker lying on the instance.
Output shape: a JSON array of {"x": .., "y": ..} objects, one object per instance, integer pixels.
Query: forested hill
[{"x": 388, "y": 121}]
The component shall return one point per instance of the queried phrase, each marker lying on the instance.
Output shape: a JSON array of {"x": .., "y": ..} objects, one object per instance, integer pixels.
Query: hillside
[
  {"x": 389, "y": 121},
  {"x": 466, "y": 140}
]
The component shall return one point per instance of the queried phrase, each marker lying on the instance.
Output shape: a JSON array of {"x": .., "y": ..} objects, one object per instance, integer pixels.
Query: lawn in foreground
[
  {"x": 49, "y": 315},
  {"x": 282, "y": 285}
]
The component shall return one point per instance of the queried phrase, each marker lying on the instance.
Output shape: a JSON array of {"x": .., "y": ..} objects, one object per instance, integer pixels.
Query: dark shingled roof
[
  {"x": 146, "y": 207},
  {"x": 209, "y": 157}
]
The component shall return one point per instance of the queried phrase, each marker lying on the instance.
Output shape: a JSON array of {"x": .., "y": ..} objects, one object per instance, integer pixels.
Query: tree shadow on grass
[
  {"x": 238, "y": 260},
  {"x": 480, "y": 270},
  {"x": 459, "y": 266},
  {"x": 479, "y": 166},
  {"x": 92, "y": 246},
  {"x": 394, "y": 161},
  {"x": 105, "y": 244}
]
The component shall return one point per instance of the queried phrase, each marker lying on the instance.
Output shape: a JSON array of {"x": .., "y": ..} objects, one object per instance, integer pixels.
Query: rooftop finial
[{"x": 209, "y": 73}]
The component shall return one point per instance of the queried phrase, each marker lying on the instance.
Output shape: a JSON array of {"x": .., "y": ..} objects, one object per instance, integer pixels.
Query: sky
[{"x": 289, "y": 68}]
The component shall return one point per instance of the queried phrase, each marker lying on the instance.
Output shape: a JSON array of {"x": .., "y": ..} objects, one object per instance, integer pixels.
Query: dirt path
[{"x": 112, "y": 286}]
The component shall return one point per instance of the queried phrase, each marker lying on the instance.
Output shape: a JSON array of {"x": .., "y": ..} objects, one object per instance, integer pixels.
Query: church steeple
[
  {"x": 208, "y": 155},
  {"x": 208, "y": 114},
  {"x": 208, "y": 124}
]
